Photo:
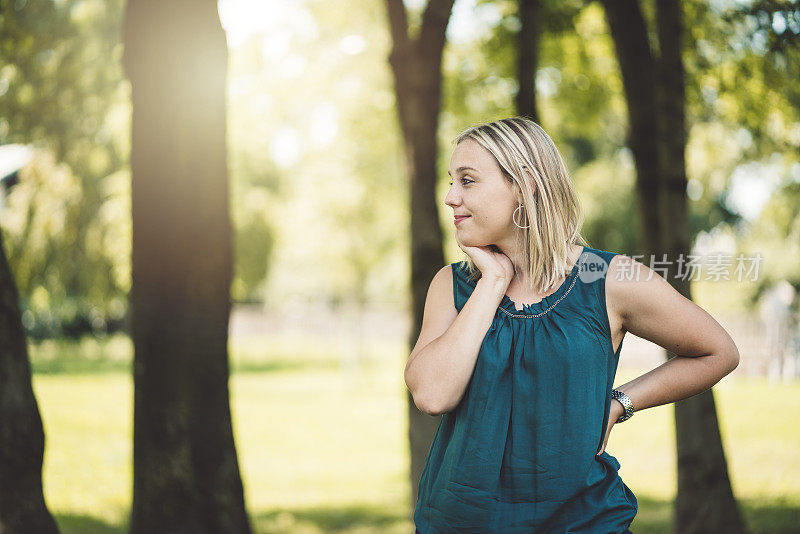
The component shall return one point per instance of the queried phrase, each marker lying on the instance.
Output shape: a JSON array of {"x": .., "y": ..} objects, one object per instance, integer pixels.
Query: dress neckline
[{"x": 547, "y": 303}]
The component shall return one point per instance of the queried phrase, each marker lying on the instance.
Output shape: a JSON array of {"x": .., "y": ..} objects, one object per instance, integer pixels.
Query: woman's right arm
[{"x": 441, "y": 364}]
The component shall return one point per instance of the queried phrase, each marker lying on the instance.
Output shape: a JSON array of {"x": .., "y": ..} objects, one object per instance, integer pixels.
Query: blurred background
[{"x": 323, "y": 311}]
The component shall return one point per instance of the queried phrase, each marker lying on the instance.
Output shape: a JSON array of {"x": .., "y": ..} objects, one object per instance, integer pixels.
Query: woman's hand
[
  {"x": 490, "y": 261},
  {"x": 615, "y": 413}
]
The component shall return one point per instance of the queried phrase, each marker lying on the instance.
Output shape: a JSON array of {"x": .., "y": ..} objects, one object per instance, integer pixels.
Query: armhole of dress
[{"x": 604, "y": 307}]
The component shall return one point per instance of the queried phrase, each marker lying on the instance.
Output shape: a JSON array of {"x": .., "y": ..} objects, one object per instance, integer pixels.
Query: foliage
[
  {"x": 316, "y": 164},
  {"x": 742, "y": 113},
  {"x": 65, "y": 223},
  {"x": 312, "y": 111}
]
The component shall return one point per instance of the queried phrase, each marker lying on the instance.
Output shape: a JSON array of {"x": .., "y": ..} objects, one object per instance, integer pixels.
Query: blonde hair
[{"x": 530, "y": 159}]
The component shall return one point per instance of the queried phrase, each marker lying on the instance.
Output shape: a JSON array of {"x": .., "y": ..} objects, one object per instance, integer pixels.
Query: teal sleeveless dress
[{"x": 518, "y": 453}]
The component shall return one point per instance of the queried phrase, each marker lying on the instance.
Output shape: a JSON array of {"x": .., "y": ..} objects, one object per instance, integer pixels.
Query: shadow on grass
[
  {"x": 84, "y": 524},
  {"x": 761, "y": 516},
  {"x": 363, "y": 518},
  {"x": 654, "y": 517},
  {"x": 771, "y": 517}
]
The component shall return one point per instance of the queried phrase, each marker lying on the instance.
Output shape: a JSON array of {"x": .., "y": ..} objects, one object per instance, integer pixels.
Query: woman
[{"x": 519, "y": 347}]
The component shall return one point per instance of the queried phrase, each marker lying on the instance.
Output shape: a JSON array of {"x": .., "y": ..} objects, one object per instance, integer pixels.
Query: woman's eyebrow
[{"x": 462, "y": 169}]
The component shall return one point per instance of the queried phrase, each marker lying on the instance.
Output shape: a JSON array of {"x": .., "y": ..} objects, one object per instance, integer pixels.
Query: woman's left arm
[{"x": 646, "y": 305}]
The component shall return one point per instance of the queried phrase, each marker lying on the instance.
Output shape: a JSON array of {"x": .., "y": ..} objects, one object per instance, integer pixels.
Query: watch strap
[{"x": 626, "y": 403}]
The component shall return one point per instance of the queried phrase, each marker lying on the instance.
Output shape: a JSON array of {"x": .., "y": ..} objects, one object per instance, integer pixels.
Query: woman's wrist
[
  {"x": 617, "y": 410},
  {"x": 625, "y": 402},
  {"x": 498, "y": 285}
]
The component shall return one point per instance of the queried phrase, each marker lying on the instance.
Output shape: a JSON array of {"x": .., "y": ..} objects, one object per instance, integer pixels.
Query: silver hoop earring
[{"x": 514, "y": 217}]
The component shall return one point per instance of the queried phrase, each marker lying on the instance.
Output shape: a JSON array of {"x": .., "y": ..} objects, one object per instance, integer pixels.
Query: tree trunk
[
  {"x": 629, "y": 31},
  {"x": 186, "y": 475},
  {"x": 22, "y": 506},
  {"x": 416, "y": 65},
  {"x": 655, "y": 95},
  {"x": 530, "y": 16},
  {"x": 705, "y": 500}
]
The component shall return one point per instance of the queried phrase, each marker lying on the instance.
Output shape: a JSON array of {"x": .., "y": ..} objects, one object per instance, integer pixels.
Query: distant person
[
  {"x": 519, "y": 347},
  {"x": 779, "y": 323}
]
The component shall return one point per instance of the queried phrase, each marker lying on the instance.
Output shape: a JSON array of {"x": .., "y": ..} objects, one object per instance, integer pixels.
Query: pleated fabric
[{"x": 518, "y": 453}]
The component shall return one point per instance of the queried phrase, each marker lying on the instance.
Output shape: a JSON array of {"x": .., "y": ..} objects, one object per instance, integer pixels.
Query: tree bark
[
  {"x": 629, "y": 31},
  {"x": 22, "y": 505},
  {"x": 417, "y": 68},
  {"x": 530, "y": 16},
  {"x": 654, "y": 89},
  {"x": 705, "y": 500},
  {"x": 186, "y": 476}
]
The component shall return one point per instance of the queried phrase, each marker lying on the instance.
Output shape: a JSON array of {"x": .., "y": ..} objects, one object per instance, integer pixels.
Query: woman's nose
[{"x": 450, "y": 198}]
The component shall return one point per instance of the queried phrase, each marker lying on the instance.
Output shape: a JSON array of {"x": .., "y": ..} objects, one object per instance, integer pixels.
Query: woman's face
[{"x": 480, "y": 191}]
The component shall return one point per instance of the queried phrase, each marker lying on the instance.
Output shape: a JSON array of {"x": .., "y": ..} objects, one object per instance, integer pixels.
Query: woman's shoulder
[
  {"x": 590, "y": 253},
  {"x": 596, "y": 264}
]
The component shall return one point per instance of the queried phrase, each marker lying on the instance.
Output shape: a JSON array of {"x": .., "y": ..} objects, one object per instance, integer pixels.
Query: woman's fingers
[
  {"x": 489, "y": 260},
  {"x": 605, "y": 437}
]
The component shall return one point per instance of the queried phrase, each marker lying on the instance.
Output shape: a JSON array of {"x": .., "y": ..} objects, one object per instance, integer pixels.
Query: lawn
[{"x": 322, "y": 442}]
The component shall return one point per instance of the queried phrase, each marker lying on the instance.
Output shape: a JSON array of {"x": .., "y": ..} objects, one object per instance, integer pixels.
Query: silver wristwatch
[{"x": 626, "y": 403}]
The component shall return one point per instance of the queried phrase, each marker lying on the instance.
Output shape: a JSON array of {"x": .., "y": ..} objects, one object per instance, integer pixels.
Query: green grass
[{"x": 323, "y": 448}]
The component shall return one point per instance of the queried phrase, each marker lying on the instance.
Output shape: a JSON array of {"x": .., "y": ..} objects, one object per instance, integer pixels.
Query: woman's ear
[
  {"x": 531, "y": 180},
  {"x": 516, "y": 192}
]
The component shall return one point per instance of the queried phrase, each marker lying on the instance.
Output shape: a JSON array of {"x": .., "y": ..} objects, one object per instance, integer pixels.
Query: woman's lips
[{"x": 459, "y": 219}]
